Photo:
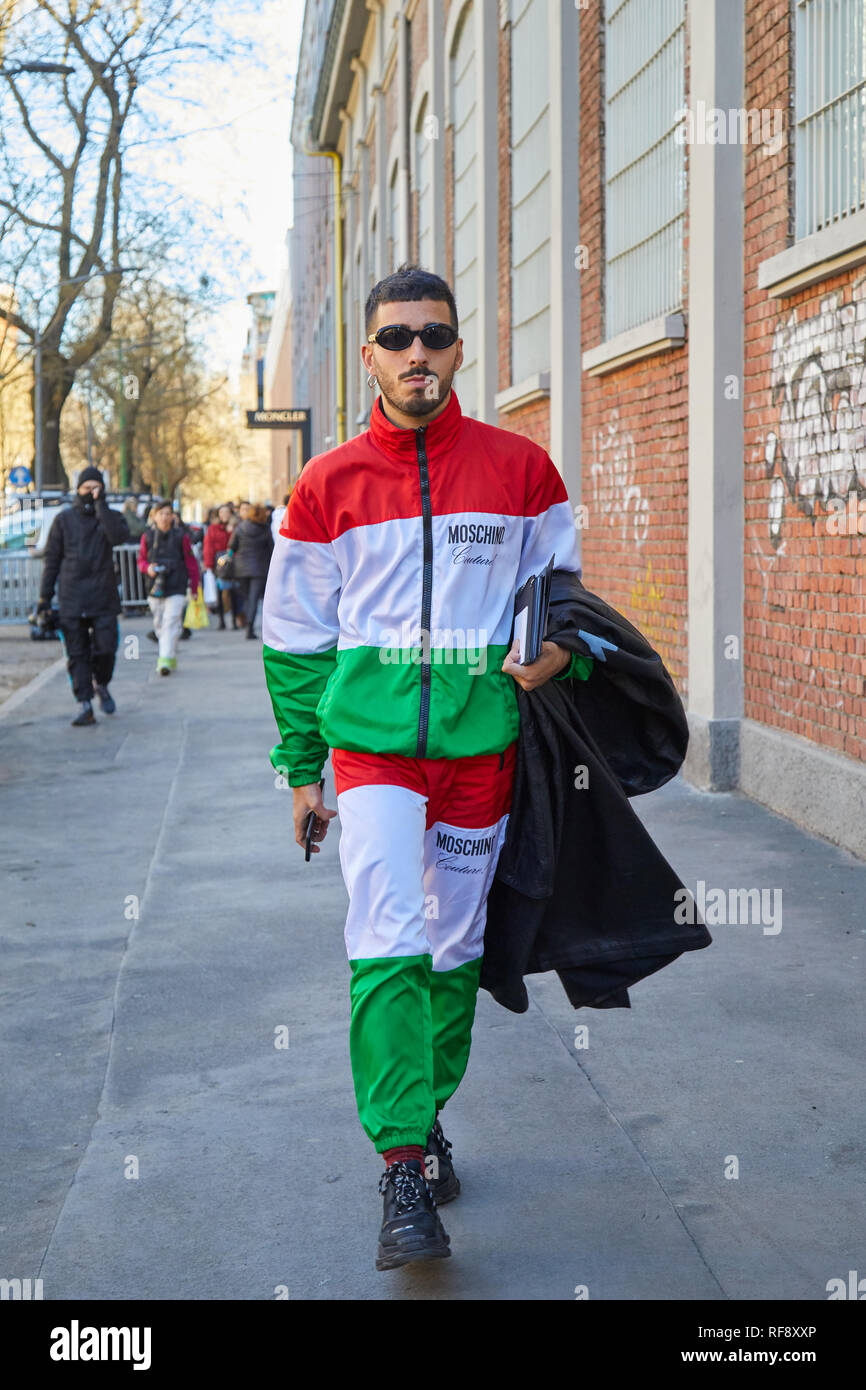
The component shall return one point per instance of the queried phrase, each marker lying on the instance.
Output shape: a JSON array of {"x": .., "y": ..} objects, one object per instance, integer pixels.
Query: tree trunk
[
  {"x": 57, "y": 382},
  {"x": 126, "y": 462}
]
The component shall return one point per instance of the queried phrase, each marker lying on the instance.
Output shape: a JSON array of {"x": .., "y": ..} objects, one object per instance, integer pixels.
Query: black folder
[{"x": 530, "y": 613}]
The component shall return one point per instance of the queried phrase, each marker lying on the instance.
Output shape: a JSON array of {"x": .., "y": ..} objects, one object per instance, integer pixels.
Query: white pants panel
[
  {"x": 168, "y": 621},
  {"x": 413, "y": 891}
]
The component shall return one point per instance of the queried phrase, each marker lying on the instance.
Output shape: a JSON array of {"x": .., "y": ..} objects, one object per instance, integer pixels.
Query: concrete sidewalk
[
  {"x": 160, "y": 926},
  {"x": 21, "y": 659}
]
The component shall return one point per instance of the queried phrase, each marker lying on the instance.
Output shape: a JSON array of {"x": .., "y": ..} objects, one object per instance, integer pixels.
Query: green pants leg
[
  {"x": 409, "y": 1036},
  {"x": 452, "y": 998},
  {"x": 391, "y": 1048}
]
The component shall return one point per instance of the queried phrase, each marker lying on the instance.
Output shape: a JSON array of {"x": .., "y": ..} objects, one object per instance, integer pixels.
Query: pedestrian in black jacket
[
  {"x": 252, "y": 546},
  {"x": 79, "y": 561}
]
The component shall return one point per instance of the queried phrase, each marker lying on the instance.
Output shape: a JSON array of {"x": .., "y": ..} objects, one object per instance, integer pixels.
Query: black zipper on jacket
[{"x": 426, "y": 590}]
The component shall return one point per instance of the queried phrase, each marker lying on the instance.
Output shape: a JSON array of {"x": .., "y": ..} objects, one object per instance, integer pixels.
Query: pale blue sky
[{"x": 242, "y": 167}]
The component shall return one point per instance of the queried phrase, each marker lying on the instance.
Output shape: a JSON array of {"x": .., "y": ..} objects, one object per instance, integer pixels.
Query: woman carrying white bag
[{"x": 210, "y": 591}]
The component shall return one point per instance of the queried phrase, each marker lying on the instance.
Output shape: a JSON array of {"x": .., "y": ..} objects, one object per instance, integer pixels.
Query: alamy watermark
[
  {"x": 443, "y": 646},
  {"x": 730, "y": 907},
  {"x": 711, "y": 125}
]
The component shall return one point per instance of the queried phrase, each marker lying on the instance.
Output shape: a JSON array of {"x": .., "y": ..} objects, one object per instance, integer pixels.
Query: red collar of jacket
[{"x": 440, "y": 434}]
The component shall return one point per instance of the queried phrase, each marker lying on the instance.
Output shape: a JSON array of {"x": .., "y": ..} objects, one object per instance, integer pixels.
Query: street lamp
[{"x": 37, "y": 360}]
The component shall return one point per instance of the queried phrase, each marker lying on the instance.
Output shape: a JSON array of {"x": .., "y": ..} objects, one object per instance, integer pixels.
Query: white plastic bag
[{"x": 210, "y": 587}]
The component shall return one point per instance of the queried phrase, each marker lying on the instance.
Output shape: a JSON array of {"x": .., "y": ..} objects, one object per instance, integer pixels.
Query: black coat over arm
[{"x": 581, "y": 888}]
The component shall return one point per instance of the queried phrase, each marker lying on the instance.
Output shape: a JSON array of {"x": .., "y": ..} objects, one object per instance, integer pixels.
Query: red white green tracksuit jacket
[{"x": 386, "y": 620}]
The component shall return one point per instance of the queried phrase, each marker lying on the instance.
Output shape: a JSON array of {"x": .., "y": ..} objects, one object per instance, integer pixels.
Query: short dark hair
[{"x": 405, "y": 284}]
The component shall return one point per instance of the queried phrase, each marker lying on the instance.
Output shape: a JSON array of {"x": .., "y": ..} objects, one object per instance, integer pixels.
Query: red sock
[{"x": 405, "y": 1151}]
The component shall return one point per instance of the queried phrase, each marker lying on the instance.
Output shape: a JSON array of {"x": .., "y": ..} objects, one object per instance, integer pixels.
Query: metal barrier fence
[
  {"x": 21, "y": 577},
  {"x": 132, "y": 590}
]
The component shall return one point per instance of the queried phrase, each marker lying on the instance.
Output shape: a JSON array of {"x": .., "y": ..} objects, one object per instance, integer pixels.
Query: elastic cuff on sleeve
[
  {"x": 578, "y": 668},
  {"x": 295, "y": 776},
  {"x": 304, "y": 779}
]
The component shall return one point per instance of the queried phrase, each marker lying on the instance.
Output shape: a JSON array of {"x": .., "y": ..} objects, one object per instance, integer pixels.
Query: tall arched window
[
  {"x": 462, "y": 80},
  {"x": 423, "y": 185},
  {"x": 530, "y": 190},
  {"x": 644, "y": 162}
]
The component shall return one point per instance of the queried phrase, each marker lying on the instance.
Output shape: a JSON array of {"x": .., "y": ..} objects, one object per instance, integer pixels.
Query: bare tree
[
  {"x": 63, "y": 184},
  {"x": 155, "y": 338}
]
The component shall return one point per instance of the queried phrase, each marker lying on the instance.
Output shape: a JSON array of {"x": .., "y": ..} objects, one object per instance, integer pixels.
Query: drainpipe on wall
[
  {"x": 338, "y": 273},
  {"x": 403, "y": 103}
]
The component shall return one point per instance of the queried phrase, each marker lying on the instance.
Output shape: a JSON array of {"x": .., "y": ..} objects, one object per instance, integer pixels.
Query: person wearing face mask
[
  {"x": 79, "y": 561},
  {"x": 166, "y": 557}
]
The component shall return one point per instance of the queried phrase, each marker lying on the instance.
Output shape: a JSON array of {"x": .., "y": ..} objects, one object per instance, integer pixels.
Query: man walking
[
  {"x": 386, "y": 627},
  {"x": 79, "y": 560}
]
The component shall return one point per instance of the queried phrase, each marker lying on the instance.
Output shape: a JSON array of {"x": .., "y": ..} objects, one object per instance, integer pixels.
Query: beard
[{"x": 418, "y": 402}]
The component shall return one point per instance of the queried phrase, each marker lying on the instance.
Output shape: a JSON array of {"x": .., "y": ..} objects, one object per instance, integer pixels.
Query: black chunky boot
[
  {"x": 438, "y": 1167},
  {"x": 411, "y": 1229},
  {"x": 85, "y": 714}
]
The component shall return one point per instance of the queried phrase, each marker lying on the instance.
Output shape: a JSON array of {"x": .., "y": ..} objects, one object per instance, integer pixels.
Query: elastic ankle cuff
[{"x": 400, "y": 1139}]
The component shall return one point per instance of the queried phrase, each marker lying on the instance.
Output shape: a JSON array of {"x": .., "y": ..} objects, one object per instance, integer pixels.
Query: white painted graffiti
[
  {"x": 617, "y": 497},
  {"x": 818, "y": 383}
]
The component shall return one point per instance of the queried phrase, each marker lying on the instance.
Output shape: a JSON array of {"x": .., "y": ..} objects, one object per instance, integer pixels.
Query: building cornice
[{"x": 349, "y": 20}]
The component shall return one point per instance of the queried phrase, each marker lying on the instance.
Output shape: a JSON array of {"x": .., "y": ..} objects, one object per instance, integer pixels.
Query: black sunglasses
[{"x": 396, "y": 337}]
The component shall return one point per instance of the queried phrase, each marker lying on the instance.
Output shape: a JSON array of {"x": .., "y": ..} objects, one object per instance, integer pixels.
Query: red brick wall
[
  {"x": 804, "y": 403},
  {"x": 418, "y": 45},
  {"x": 635, "y": 430},
  {"x": 533, "y": 420}
]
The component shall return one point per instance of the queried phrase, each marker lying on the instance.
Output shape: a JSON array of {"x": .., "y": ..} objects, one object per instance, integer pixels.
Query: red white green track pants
[{"x": 419, "y": 842}]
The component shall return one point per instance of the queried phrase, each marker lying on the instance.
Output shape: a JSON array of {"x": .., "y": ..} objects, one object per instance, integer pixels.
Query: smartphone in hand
[{"x": 309, "y": 828}]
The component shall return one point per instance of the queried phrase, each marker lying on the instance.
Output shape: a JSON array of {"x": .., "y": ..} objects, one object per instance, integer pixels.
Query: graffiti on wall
[
  {"x": 616, "y": 495},
  {"x": 817, "y": 453},
  {"x": 656, "y": 618}
]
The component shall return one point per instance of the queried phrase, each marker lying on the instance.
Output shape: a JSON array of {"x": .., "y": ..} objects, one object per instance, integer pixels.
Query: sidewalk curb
[{"x": 25, "y": 691}]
